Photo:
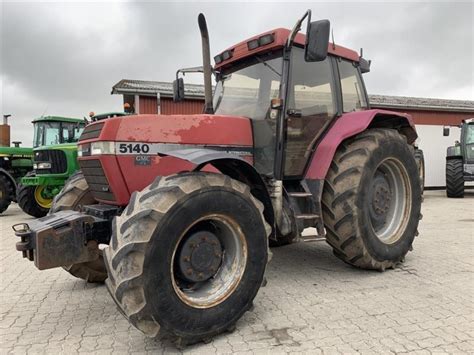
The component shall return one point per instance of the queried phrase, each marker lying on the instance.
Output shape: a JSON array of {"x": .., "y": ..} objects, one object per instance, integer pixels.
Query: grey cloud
[{"x": 64, "y": 58}]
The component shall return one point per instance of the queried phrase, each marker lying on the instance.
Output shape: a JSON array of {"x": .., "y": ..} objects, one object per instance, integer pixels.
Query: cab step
[
  {"x": 300, "y": 194},
  {"x": 306, "y": 216},
  {"x": 311, "y": 238}
]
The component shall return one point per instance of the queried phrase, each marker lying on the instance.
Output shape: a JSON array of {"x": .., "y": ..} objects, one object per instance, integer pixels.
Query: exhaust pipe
[{"x": 206, "y": 64}]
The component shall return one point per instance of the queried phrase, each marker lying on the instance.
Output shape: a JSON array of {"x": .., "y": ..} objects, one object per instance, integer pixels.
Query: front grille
[
  {"x": 57, "y": 158},
  {"x": 91, "y": 131},
  {"x": 96, "y": 179}
]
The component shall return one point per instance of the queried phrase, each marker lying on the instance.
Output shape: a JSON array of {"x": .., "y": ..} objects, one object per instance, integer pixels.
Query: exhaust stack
[
  {"x": 206, "y": 64},
  {"x": 5, "y": 132}
]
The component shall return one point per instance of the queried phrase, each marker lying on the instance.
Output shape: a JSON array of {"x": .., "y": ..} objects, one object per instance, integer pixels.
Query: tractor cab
[
  {"x": 291, "y": 87},
  {"x": 53, "y": 130}
]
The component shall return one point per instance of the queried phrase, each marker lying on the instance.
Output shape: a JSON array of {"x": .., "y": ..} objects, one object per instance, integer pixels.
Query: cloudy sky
[{"x": 64, "y": 58}]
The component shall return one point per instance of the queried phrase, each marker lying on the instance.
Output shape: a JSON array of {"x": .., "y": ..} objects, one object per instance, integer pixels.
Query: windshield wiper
[{"x": 268, "y": 66}]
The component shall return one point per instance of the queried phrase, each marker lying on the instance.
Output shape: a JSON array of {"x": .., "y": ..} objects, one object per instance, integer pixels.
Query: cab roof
[
  {"x": 280, "y": 35},
  {"x": 57, "y": 119}
]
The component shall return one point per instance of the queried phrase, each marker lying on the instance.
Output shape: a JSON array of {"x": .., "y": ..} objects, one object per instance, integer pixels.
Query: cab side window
[{"x": 353, "y": 96}]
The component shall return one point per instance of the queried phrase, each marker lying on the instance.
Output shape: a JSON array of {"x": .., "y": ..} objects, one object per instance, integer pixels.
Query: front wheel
[
  {"x": 188, "y": 255},
  {"x": 33, "y": 200},
  {"x": 454, "y": 178},
  {"x": 73, "y": 196},
  {"x": 372, "y": 200},
  {"x": 7, "y": 192}
]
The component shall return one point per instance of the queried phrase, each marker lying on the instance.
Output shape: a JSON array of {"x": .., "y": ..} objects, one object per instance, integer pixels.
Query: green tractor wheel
[
  {"x": 7, "y": 193},
  {"x": 34, "y": 200}
]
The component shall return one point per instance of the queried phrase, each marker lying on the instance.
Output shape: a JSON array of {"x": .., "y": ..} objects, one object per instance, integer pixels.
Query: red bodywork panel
[
  {"x": 125, "y": 176},
  {"x": 281, "y": 36},
  {"x": 346, "y": 126}
]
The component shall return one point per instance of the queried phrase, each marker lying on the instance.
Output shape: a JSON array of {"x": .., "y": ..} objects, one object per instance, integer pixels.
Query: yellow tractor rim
[{"x": 40, "y": 199}]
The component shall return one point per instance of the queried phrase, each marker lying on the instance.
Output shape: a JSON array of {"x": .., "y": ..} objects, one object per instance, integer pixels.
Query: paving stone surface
[{"x": 313, "y": 303}]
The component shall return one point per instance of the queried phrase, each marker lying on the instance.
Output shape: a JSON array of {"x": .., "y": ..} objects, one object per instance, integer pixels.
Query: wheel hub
[
  {"x": 200, "y": 257},
  {"x": 381, "y": 199}
]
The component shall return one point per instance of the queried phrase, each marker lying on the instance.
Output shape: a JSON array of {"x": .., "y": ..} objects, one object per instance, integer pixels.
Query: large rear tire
[
  {"x": 7, "y": 192},
  {"x": 75, "y": 194},
  {"x": 188, "y": 256},
  {"x": 454, "y": 178},
  {"x": 372, "y": 199}
]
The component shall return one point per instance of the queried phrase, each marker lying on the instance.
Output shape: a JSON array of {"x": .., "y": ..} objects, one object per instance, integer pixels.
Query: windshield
[
  {"x": 46, "y": 133},
  {"x": 50, "y": 133},
  {"x": 248, "y": 91}
]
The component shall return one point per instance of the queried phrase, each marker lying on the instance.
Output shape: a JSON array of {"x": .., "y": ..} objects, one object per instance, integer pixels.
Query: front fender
[
  {"x": 203, "y": 156},
  {"x": 349, "y": 125}
]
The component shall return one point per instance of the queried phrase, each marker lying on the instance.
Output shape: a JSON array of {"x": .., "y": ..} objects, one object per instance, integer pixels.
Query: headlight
[
  {"x": 40, "y": 166},
  {"x": 98, "y": 148}
]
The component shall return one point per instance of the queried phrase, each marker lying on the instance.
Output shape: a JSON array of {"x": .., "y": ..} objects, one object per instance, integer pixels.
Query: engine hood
[{"x": 179, "y": 129}]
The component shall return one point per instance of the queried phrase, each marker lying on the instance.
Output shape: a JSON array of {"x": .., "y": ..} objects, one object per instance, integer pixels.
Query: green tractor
[
  {"x": 55, "y": 160},
  {"x": 460, "y": 160},
  {"x": 15, "y": 162}
]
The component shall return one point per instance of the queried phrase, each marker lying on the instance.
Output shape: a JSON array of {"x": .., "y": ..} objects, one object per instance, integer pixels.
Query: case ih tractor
[
  {"x": 460, "y": 160},
  {"x": 188, "y": 204}
]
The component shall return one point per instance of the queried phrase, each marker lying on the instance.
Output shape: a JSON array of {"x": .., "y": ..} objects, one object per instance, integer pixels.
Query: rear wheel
[
  {"x": 454, "y": 178},
  {"x": 7, "y": 192},
  {"x": 75, "y": 194},
  {"x": 33, "y": 200},
  {"x": 372, "y": 199},
  {"x": 188, "y": 255}
]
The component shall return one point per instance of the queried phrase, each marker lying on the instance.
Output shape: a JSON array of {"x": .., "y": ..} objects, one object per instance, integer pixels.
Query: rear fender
[
  {"x": 351, "y": 124},
  {"x": 453, "y": 152}
]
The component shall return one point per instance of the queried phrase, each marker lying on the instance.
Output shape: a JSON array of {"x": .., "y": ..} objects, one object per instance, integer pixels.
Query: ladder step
[
  {"x": 311, "y": 238},
  {"x": 306, "y": 216},
  {"x": 300, "y": 194}
]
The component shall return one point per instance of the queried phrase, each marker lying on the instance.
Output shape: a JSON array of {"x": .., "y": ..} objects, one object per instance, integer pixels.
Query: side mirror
[
  {"x": 317, "y": 41},
  {"x": 445, "y": 131},
  {"x": 178, "y": 90}
]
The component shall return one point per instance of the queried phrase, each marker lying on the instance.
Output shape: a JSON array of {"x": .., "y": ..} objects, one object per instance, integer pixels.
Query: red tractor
[{"x": 188, "y": 204}]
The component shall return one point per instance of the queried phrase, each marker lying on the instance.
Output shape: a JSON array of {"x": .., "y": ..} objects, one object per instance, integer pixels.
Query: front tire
[
  {"x": 454, "y": 178},
  {"x": 372, "y": 200},
  {"x": 76, "y": 193},
  {"x": 188, "y": 255},
  {"x": 31, "y": 200},
  {"x": 7, "y": 192}
]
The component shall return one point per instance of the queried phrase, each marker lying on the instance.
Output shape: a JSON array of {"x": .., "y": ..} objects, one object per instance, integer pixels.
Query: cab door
[{"x": 311, "y": 107}]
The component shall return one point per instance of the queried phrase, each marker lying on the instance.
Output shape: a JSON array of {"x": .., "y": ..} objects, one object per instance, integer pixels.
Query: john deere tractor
[
  {"x": 460, "y": 160},
  {"x": 55, "y": 160},
  {"x": 15, "y": 162},
  {"x": 55, "y": 155}
]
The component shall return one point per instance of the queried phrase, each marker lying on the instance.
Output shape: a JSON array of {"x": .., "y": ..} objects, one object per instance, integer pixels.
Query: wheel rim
[
  {"x": 209, "y": 261},
  {"x": 390, "y": 201},
  {"x": 44, "y": 202}
]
